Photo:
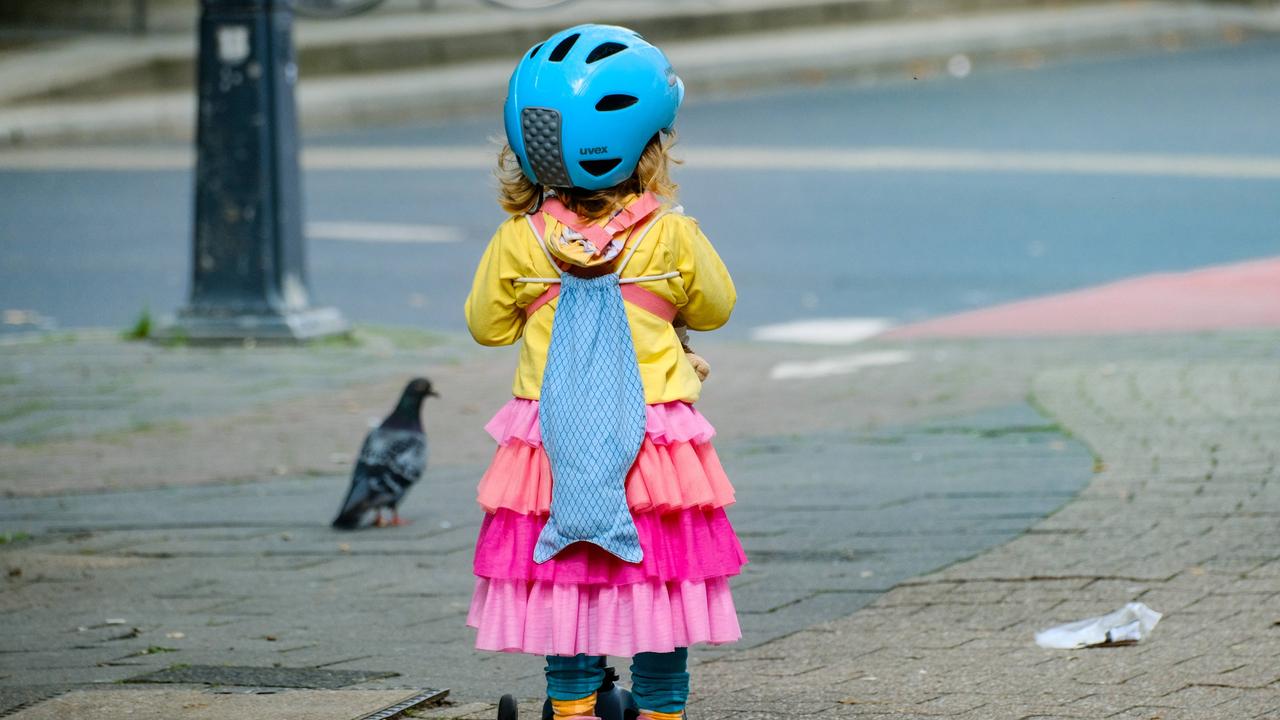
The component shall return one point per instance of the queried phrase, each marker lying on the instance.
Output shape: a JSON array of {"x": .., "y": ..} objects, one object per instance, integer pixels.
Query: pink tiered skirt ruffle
[
  {"x": 665, "y": 423},
  {"x": 665, "y": 478},
  {"x": 686, "y": 545},
  {"x": 586, "y": 600},
  {"x": 552, "y": 619}
]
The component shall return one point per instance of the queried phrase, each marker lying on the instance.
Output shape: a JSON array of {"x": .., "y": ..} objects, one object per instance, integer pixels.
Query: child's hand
[{"x": 700, "y": 365}]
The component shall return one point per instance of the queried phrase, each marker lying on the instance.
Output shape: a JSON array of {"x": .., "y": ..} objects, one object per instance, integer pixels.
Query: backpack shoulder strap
[
  {"x": 658, "y": 214},
  {"x": 538, "y": 224}
]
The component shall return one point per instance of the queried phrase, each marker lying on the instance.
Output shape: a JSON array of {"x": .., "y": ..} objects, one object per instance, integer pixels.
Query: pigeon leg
[
  {"x": 379, "y": 521},
  {"x": 396, "y": 520}
]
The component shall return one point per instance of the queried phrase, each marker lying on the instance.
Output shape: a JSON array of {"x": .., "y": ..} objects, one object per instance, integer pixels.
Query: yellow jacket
[{"x": 703, "y": 293}]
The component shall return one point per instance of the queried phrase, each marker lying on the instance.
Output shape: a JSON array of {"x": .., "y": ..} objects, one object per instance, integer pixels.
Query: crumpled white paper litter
[{"x": 1131, "y": 623}]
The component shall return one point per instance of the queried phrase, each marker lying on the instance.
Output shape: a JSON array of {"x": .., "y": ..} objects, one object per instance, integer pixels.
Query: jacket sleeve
[
  {"x": 492, "y": 315},
  {"x": 710, "y": 291}
]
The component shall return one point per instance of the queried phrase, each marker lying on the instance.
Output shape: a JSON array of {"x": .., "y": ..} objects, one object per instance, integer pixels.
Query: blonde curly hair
[{"x": 518, "y": 195}]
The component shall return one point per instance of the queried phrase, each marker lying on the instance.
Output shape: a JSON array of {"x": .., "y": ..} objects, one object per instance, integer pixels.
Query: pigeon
[{"x": 391, "y": 460}]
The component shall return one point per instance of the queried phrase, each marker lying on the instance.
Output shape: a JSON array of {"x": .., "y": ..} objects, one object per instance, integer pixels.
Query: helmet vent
[
  {"x": 616, "y": 102},
  {"x": 563, "y": 48},
  {"x": 599, "y": 167},
  {"x": 604, "y": 50},
  {"x": 535, "y": 50}
]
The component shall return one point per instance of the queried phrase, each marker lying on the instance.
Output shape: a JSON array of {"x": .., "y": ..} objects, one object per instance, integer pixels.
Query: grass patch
[
  {"x": 879, "y": 439},
  {"x": 996, "y": 432},
  {"x": 13, "y": 412},
  {"x": 140, "y": 427},
  {"x": 156, "y": 650},
  {"x": 142, "y": 327},
  {"x": 173, "y": 338},
  {"x": 50, "y": 428},
  {"x": 151, "y": 426},
  {"x": 344, "y": 340},
  {"x": 57, "y": 338},
  {"x": 401, "y": 338},
  {"x": 8, "y": 538}
]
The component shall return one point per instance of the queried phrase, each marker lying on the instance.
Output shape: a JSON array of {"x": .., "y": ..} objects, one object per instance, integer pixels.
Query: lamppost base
[{"x": 194, "y": 326}]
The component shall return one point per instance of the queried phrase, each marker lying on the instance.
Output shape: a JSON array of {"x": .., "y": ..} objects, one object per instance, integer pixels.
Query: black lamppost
[{"x": 248, "y": 277}]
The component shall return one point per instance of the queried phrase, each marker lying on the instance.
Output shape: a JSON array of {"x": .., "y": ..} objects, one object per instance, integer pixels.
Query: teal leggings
[{"x": 659, "y": 681}]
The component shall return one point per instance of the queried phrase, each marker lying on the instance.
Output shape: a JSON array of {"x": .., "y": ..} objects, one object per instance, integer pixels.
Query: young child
[{"x": 605, "y": 531}]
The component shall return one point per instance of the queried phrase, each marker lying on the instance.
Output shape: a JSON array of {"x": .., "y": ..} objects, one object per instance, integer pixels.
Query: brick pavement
[
  {"x": 1177, "y": 517},
  {"x": 1183, "y": 516},
  {"x": 228, "y": 565}
]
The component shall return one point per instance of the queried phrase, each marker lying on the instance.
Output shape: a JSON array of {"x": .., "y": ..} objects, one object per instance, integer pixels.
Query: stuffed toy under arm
[{"x": 699, "y": 363}]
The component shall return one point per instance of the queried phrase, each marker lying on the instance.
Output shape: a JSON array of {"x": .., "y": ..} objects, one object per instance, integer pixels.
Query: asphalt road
[{"x": 96, "y": 247}]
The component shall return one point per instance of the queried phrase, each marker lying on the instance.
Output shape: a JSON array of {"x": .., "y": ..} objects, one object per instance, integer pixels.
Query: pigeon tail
[
  {"x": 354, "y": 508},
  {"x": 349, "y": 519}
]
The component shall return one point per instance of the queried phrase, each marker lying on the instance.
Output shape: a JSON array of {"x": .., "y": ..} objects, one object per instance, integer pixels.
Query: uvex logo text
[{"x": 593, "y": 150}]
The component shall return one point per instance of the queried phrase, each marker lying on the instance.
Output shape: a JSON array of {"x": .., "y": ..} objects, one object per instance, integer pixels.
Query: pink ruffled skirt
[{"x": 585, "y": 600}]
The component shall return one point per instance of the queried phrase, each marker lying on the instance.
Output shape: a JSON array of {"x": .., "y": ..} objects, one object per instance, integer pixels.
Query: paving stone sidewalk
[
  {"x": 848, "y": 487},
  {"x": 1183, "y": 517},
  {"x": 204, "y": 572}
]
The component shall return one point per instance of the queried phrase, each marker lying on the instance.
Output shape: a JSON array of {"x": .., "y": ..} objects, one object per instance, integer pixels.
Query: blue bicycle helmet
[{"x": 582, "y": 106}]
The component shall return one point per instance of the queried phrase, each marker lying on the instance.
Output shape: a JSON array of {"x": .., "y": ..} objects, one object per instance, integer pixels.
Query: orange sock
[
  {"x": 565, "y": 709},
  {"x": 652, "y": 715}
]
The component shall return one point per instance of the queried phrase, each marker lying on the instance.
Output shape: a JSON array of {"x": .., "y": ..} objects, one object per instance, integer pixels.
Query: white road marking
[
  {"x": 817, "y": 159},
  {"x": 837, "y": 365},
  {"x": 822, "y": 331},
  {"x": 92, "y": 158},
  {"x": 368, "y": 232},
  {"x": 939, "y": 160},
  {"x": 406, "y": 158}
]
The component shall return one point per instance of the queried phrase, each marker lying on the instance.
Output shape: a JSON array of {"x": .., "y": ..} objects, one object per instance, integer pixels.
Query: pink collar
[{"x": 628, "y": 217}]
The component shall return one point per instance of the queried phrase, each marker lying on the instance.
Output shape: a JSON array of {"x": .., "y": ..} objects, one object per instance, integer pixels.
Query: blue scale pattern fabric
[{"x": 592, "y": 418}]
